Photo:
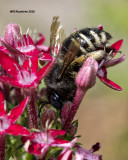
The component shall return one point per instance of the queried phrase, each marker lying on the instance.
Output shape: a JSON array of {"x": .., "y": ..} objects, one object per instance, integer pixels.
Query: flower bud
[
  {"x": 11, "y": 34},
  {"x": 47, "y": 118},
  {"x": 65, "y": 111},
  {"x": 86, "y": 77},
  {"x": 72, "y": 130}
]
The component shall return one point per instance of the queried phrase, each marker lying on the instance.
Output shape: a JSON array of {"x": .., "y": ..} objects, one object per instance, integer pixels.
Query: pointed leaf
[{"x": 17, "y": 111}]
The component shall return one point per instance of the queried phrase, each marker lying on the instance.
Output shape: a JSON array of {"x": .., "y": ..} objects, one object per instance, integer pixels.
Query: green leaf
[
  {"x": 29, "y": 157},
  {"x": 75, "y": 123},
  {"x": 53, "y": 152},
  {"x": 11, "y": 158}
]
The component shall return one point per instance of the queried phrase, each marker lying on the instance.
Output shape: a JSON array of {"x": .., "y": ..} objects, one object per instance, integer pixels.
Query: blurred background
[{"x": 103, "y": 114}]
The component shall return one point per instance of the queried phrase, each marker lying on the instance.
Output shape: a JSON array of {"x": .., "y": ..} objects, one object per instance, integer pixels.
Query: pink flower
[
  {"x": 80, "y": 153},
  {"x": 22, "y": 47},
  {"x": 24, "y": 75},
  {"x": 38, "y": 143},
  {"x": 85, "y": 79},
  {"x": 7, "y": 121},
  {"x": 102, "y": 72},
  {"x": 23, "y": 71},
  {"x": 40, "y": 46},
  {"x": 12, "y": 37}
]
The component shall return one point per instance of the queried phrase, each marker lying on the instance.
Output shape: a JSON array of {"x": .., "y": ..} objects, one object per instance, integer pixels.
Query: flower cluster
[{"x": 24, "y": 62}]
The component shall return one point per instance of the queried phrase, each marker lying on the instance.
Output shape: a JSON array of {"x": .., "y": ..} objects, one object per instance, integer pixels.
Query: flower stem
[
  {"x": 6, "y": 91},
  {"x": 2, "y": 147},
  {"x": 32, "y": 108},
  {"x": 19, "y": 95},
  {"x": 85, "y": 79},
  {"x": 77, "y": 100}
]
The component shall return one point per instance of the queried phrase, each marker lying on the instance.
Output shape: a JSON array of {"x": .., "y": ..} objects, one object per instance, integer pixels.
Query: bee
[{"x": 71, "y": 53}]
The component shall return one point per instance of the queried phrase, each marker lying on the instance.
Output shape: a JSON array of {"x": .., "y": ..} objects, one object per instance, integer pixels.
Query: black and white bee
[{"x": 71, "y": 53}]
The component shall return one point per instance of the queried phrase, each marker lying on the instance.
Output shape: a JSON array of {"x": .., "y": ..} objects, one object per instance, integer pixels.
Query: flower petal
[
  {"x": 12, "y": 32},
  {"x": 114, "y": 62},
  {"x": 4, "y": 49},
  {"x": 36, "y": 149},
  {"x": 63, "y": 143},
  {"x": 81, "y": 154},
  {"x": 55, "y": 132},
  {"x": 102, "y": 75},
  {"x": 43, "y": 48},
  {"x": 7, "y": 80},
  {"x": 66, "y": 154},
  {"x": 100, "y": 26},
  {"x": 2, "y": 105},
  {"x": 45, "y": 57},
  {"x": 41, "y": 40},
  {"x": 45, "y": 70},
  {"x": 17, "y": 111},
  {"x": 27, "y": 46},
  {"x": 17, "y": 130},
  {"x": 95, "y": 147},
  {"x": 10, "y": 49},
  {"x": 117, "y": 45},
  {"x": 9, "y": 64},
  {"x": 31, "y": 64},
  {"x": 25, "y": 40},
  {"x": 15, "y": 82}
]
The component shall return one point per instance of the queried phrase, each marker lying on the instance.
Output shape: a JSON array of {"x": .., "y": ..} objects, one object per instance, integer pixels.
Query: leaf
[
  {"x": 53, "y": 152},
  {"x": 11, "y": 158},
  {"x": 29, "y": 157}
]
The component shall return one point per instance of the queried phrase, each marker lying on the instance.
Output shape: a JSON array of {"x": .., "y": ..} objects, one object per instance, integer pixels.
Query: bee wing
[
  {"x": 70, "y": 55},
  {"x": 57, "y": 36}
]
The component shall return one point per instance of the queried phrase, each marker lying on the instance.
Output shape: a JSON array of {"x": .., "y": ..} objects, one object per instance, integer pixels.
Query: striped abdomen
[{"x": 91, "y": 40}]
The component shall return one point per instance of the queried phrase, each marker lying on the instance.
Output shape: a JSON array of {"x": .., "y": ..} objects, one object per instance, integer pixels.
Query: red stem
[
  {"x": 19, "y": 95},
  {"x": 32, "y": 108},
  {"x": 76, "y": 103},
  {"x": 2, "y": 147}
]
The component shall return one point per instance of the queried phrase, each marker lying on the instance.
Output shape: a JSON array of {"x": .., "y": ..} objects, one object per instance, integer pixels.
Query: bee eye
[{"x": 55, "y": 100}]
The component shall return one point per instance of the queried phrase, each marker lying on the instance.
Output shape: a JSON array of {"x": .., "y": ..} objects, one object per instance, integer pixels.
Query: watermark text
[{"x": 21, "y": 11}]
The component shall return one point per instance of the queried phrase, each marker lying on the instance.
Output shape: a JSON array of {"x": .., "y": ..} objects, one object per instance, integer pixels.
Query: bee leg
[{"x": 42, "y": 104}]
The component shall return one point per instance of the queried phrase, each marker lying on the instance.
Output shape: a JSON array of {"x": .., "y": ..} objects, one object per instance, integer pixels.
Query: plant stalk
[{"x": 2, "y": 147}]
